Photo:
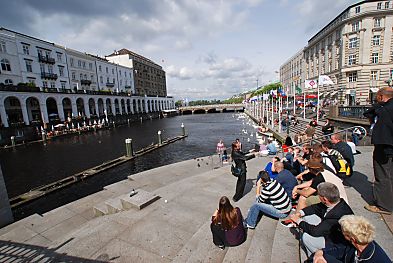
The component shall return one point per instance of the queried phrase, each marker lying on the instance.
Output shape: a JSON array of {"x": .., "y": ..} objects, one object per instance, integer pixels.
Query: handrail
[{"x": 361, "y": 129}]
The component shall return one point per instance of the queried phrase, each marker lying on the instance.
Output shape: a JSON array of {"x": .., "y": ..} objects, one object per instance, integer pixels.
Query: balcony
[
  {"x": 85, "y": 82},
  {"x": 110, "y": 84},
  {"x": 46, "y": 59},
  {"x": 46, "y": 75}
]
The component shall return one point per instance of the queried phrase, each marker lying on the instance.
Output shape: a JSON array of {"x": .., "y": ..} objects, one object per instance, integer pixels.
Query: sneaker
[
  {"x": 250, "y": 227},
  {"x": 222, "y": 247},
  {"x": 287, "y": 223}
]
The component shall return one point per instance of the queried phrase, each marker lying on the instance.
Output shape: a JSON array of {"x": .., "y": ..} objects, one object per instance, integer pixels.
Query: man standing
[{"x": 382, "y": 138}]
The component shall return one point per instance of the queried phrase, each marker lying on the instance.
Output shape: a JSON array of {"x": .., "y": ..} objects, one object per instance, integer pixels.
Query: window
[
  {"x": 379, "y": 5},
  {"x": 5, "y": 65},
  {"x": 352, "y": 77},
  {"x": 3, "y": 47},
  {"x": 113, "y": 80},
  {"x": 26, "y": 49},
  {"x": 353, "y": 42},
  {"x": 107, "y": 79},
  {"x": 387, "y": 4},
  {"x": 83, "y": 64},
  {"x": 52, "y": 84},
  {"x": 40, "y": 53},
  {"x": 79, "y": 63},
  {"x": 85, "y": 76},
  {"x": 91, "y": 77},
  {"x": 61, "y": 71},
  {"x": 42, "y": 68},
  {"x": 374, "y": 75},
  {"x": 374, "y": 58},
  {"x": 357, "y": 9},
  {"x": 101, "y": 80},
  {"x": 351, "y": 59},
  {"x": 120, "y": 72},
  {"x": 125, "y": 74},
  {"x": 8, "y": 82},
  {"x": 73, "y": 75},
  {"x": 81, "y": 76},
  {"x": 355, "y": 26},
  {"x": 47, "y": 54},
  {"x": 107, "y": 71},
  {"x": 376, "y": 40},
  {"x": 59, "y": 57},
  {"x": 32, "y": 81},
  {"x": 113, "y": 71},
  {"x": 29, "y": 68},
  {"x": 121, "y": 82},
  {"x": 45, "y": 84},
  {"x": 50, "y": 69},
  {"x": 71, "y": 62},
  {"x": 377, "y": 22},
  {"x": 63, "y": 84},
  {"x": 90, "y": 65},
  {"x": 99, "y": 68}
]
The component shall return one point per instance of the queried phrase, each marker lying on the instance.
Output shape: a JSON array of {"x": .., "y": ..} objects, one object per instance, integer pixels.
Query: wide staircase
[{"x": 174, "y": 228}]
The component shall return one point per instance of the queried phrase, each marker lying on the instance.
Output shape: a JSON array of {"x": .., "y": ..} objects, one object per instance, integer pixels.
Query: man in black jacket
[
  {"x": 344, "y": 149},
  {"x": 319, "y": 222},
  {"x": 381, "y": 118}
]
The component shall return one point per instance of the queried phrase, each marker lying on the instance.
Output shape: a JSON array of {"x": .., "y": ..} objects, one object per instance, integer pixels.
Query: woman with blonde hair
[
  {"x": 227, "y": 225},
  {"x": 360, "y": 233}
]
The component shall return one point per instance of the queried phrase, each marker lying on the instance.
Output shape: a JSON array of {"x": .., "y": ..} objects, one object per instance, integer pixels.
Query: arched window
[
  {"x": 5, "y": 65},
  {"x": 8, "y": 82}
]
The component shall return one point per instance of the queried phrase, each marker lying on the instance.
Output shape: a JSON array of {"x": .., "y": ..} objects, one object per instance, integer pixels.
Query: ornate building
[{"x": 355, "y": 50}]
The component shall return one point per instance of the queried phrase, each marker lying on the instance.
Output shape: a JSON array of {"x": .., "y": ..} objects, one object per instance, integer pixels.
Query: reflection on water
[{"x": 31, "y": 166}]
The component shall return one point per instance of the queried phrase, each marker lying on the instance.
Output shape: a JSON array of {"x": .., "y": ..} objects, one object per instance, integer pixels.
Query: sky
[{"x": 209, "y": 49}]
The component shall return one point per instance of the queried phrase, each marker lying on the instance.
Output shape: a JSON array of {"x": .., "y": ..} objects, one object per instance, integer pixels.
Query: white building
[
  {"x": 30, "y": 60},
  {"x": 82, "y": 68}
]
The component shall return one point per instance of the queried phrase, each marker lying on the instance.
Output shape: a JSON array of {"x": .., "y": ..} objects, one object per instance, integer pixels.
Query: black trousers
[
  {"x": 218, "y": 235},
  {"x": 383, "y": 183},
  {"x": 240, "y": 185}
]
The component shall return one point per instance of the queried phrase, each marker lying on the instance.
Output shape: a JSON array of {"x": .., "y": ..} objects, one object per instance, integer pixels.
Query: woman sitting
[{"x": 227, "y": 225}]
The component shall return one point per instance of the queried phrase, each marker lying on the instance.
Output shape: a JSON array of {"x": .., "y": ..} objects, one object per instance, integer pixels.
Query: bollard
[
  {"x": 183, "y": 130},
  {"x": 13, "y": 141},
  {"x": 159, "y": 137},
  {"x": 141, "y": 119},
  {"x": 129, "y": 151},
  {"x": 114, "y": 124},
  {"x": 128, "y": 120}
]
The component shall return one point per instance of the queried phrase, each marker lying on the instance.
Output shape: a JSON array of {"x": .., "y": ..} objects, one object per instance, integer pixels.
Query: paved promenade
[{"x": 174, "y": 228}]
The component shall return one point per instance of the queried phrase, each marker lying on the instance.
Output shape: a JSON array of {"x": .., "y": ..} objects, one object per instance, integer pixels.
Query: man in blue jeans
[{"x": 271, "y": 200}]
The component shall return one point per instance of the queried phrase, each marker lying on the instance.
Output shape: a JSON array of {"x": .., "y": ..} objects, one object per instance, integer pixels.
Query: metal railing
[{"x": 355, "y": 112}]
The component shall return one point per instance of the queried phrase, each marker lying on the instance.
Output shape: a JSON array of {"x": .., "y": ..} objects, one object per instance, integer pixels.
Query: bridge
[{"x": 211, "y": 108}]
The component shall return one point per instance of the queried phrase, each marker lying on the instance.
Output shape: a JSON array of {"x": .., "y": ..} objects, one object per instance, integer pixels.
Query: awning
[{"x": 374, "y": 90}]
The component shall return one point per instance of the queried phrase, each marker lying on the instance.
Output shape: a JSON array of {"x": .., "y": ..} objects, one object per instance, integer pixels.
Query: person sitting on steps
[{"x": 227, "y": 225}]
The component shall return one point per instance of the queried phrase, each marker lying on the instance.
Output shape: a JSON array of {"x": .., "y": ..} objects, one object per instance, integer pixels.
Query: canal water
[{"x": 33, "y": 165}]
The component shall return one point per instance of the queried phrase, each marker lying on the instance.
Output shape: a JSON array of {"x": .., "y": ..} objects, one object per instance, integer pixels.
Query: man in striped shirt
[{"x": 271, "y": 200}]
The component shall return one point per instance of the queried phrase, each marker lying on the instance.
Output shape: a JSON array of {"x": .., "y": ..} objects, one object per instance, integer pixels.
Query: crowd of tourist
[{"x": 305, "y": 191}]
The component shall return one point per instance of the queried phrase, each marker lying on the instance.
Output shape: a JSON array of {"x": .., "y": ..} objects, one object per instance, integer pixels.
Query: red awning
[{"x": 311, "y": 96}]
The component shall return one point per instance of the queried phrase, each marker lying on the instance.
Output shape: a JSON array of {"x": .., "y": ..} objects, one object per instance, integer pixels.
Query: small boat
[{"x": 169, "y": 113}]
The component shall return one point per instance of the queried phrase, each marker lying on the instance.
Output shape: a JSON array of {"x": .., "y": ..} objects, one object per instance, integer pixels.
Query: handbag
[{"x": 235, "y": 170}]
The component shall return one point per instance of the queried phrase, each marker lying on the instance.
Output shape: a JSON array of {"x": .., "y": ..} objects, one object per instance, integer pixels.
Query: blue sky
[{"x": 210, "y": 49}]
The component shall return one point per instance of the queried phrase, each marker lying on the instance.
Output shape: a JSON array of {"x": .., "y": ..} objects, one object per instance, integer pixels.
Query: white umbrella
[
  {"x": 53, "y": 128},
  {"x": 79, "y": 126},
  {"x": 73, "y": 126},
  {"x": 84, "y": 123},
  {"x": 95, "y": 122}
]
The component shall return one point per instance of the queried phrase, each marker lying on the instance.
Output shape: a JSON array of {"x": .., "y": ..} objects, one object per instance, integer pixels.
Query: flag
[
  {"x": 265, "y": 96},
  {"x": 298, "y": 90},
  {"x": 325, "y": 80},
  {"x": 310, "y": 84}
]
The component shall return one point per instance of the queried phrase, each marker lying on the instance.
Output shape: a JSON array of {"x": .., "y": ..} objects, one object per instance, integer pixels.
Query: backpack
[{"x": 342, "y": 167}]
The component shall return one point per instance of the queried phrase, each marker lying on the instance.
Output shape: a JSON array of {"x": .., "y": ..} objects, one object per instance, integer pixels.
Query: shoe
[
  {"x": 250, "y": 227},
  {"x": 287, "y": 223},
  {"x": 234, "y": 200},
  {"x": 222, "y": 247},
  {"x": 376, "y": 209}
]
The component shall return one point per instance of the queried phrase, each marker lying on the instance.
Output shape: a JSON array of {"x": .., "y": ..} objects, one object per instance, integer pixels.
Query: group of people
[{"x": 306, "y": 190}]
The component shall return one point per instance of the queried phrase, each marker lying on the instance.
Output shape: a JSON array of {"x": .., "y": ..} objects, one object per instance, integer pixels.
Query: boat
[{"x": 169, "y": 113}]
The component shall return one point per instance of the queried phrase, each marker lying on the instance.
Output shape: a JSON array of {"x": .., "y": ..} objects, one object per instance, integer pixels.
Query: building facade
[
  {"x": 291, "y": 74},
  {"x": 41, "y": 82},
  {"x": 149, "y": 77},
  {"x": 355, "y": 50}
]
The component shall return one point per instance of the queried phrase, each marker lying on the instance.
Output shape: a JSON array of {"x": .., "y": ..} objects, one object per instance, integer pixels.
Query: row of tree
[{"x": 235, "y": 99}]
